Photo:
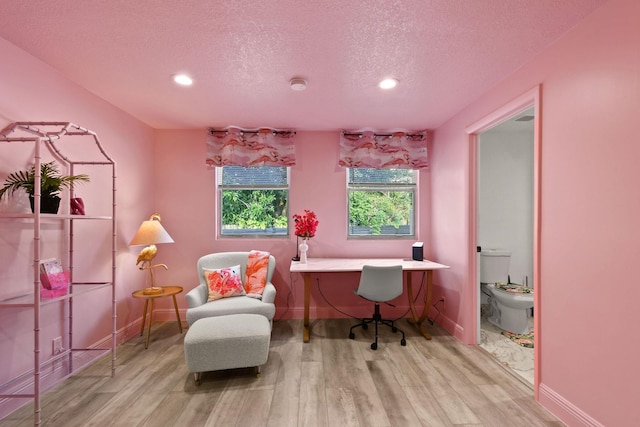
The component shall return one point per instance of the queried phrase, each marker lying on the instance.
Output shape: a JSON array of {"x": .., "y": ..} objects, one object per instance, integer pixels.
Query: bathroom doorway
[
  {"x": 505, "y": 222},
  {"x": 504, "y": 174}
]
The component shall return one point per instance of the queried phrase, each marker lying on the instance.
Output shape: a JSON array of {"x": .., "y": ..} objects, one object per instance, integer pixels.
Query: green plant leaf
[{"x": 51, "y": 181}]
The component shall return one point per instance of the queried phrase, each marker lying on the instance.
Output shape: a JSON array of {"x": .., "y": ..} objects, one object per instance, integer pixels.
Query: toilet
[{"x": 510, "y": 303}]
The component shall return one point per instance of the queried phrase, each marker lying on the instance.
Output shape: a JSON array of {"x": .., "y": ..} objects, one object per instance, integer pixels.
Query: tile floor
[{"x": 515, "y": 357}]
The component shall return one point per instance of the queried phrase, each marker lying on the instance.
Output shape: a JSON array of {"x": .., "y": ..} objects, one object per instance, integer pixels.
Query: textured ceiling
[{"x": 242, "y": 54}]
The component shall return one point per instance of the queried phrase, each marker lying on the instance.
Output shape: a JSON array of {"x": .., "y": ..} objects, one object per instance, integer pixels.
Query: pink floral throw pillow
[
  {"x": 256, "y": 279},
  {"x": 223, "y": 282}
]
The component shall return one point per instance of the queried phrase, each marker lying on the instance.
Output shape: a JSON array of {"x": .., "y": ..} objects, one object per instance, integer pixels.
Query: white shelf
[
  {"x": 27, "y": 300},
  {"x": 25, "y": 215},
  {"x": 46, "y": 373}
]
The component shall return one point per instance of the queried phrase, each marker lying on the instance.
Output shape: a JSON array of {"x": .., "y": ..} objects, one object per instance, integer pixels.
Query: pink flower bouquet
[{"x": 306, "y": 224}]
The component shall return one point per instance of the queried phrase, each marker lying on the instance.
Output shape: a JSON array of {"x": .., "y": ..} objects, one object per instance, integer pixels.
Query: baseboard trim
[
  {"x": 450, "y": 326},
  {"x": 563, "y": 409},
  {"x": 336, "y": 313},
  {"x": 166, "y": 315}
]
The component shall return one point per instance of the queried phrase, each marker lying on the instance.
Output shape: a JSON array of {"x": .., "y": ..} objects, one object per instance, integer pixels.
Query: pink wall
[
  {"x": 187, "y": 204},
  {"x": 590, "y": 100},
  {"x": 32, "y": 91},
  {"x": 164, "y": 171},
  {"x": 589, "y": 215}
]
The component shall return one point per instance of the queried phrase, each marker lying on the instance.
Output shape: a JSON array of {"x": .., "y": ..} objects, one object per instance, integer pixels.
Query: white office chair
[{"x": 379, "y": 284}]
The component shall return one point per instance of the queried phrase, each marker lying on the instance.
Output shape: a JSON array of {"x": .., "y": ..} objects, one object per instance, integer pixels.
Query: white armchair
[{"x": 198, "y": 307}]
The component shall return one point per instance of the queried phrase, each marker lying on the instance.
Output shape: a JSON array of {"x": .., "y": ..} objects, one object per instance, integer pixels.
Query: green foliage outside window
[
  {"x": 254, "y": 209},
  {"x": 380, "y": 208},
  {"x": 381, "y": 201},
  {"x": 253, "y": 201}
]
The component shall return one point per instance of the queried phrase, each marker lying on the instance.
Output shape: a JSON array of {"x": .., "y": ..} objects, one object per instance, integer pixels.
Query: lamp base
[{"x": 152, "y": 291}]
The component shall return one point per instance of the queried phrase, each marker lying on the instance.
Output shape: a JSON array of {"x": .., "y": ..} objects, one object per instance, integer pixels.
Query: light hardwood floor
[{"x": 330, "y": 381}]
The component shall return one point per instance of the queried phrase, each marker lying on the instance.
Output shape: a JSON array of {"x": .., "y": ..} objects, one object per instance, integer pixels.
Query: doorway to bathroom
[
  {"x": 505, "y": 223},
  {"x": 504, "y": 165}
]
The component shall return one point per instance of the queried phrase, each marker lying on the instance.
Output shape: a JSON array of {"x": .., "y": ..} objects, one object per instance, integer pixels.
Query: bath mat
[{"x": 525, "y": 340}]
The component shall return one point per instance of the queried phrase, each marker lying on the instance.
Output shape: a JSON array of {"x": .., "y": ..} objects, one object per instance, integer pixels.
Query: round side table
[{"x": 171, "y": 291}]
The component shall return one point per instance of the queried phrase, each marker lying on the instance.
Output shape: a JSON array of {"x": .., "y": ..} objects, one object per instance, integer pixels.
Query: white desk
[{"x": 341, "y": 265}]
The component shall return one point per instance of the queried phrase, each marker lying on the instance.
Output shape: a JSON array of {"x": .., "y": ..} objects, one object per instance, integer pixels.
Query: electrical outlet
[{"x": 56, "y": 345}]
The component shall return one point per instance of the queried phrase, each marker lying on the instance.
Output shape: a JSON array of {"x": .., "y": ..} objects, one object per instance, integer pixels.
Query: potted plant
[{"x": 51, "y": 182}]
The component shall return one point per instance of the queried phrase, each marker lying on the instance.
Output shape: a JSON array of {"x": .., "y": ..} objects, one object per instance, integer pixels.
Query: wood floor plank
[
  {"x": 198, "y": 408},
  {"x": 341, "y": 407},
  {"x": 143, "y": 393},
  {"x": 313, "y": 400},
  {"x": 61, "y": 399},
  {"x": 168, "y": 412},
  {"x": 487, "y": 412},
  {"x": 451, "y": 403},
  {"x": 330, "y": 381},
  {"x": 498, "y": 396},
  {"x": 255, "y": 408},
  {"x": 401, "y": 363},
  {"x": 346, "y": 367},
  {"x": 533, "y": 411},
  {"x": 284, "y": 410},
  {"x": 227, "y": 409},
  {"x": 397, "y": 407},
  {"x": 467, "y": 362},
  {"x": 426, "y": 407},
  {"x": 151, "y": 395},
  {"x": 450, "y": 372},
  {"x": 370, "y": 409}
]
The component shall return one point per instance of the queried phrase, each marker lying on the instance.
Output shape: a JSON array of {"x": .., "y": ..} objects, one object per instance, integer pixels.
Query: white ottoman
[{"x": 227, "y": 342}]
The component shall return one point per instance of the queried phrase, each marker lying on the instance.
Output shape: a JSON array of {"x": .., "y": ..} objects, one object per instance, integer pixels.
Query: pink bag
[{"x": 77, "y": 206}]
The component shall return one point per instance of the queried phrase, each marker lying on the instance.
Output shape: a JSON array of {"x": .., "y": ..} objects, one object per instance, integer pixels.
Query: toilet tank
[{"x": 494, "y": 265}]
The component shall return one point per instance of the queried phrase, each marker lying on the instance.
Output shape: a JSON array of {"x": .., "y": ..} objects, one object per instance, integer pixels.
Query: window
[
  {"x": 381, "y": 202},
  {"x": 253, "y": 201}
]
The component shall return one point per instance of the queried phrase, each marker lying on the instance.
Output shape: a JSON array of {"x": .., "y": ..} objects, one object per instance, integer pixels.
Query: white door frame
[{"x": 527, "y": 100}]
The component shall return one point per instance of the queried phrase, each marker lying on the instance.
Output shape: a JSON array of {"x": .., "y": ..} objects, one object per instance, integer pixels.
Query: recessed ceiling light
[
  {"x": 298, "y": 83},
  {"x": 388, "y": 83},
  {"x": 183, "y": 79}
]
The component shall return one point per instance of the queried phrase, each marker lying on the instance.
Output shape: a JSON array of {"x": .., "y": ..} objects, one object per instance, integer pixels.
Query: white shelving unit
[{"x": 49, "y": 136}]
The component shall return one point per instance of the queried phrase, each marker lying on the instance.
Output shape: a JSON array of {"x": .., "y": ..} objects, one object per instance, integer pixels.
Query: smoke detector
[{"x": 298, "y": 83}]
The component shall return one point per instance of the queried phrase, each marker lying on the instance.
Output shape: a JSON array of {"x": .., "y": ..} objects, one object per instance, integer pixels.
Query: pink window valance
[
  {"x": 238, "y": 147},
  {"x": 394, "y": 150}
]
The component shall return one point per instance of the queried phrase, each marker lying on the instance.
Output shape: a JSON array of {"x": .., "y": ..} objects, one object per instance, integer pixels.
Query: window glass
[
  {"x": 381, "y": 202},
  {"x": 253, "y": 201}
]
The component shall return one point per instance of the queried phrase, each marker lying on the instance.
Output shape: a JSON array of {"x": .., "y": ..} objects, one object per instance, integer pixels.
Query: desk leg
[
  {"x": 307, "y": 300},
  {"x": 146, "y": 345},
  {"x": 175, "y": 305},
  {"x": 417, "y": 321},
  {"x": 144, "y": 316}
]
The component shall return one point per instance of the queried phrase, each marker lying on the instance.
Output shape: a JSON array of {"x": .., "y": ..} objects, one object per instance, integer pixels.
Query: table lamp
[{"x": 150, "y": 233}]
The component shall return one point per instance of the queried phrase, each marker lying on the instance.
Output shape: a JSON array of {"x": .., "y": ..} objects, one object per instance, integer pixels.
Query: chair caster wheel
[
  {"x": 403, "y": 342},
  {"x": 374, "y": 346},
  {"x": 365, "y": 326},
  {"x": 394, "y": 329},
  {"x": 352, "y": 336}
]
